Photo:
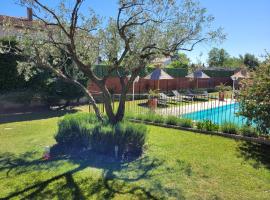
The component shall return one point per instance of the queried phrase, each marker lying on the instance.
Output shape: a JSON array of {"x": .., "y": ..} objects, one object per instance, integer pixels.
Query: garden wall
[{"x": 143, "y": 86}]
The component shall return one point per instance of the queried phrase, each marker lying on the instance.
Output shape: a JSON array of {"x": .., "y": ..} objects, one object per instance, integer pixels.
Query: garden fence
[{"x": 194, "y": 106}]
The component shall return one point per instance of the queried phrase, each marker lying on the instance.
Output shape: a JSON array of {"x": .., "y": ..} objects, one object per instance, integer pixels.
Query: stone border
[{"x": 259, "y": 140}]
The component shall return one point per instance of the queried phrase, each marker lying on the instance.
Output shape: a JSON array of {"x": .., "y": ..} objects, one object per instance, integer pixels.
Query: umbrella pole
[{"x": 158, "y": 85}]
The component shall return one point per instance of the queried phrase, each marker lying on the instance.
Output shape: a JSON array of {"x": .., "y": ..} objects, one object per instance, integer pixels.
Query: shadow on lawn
[
  {"x": 117, "y": 178},
  {"x": 260, "y": 153},
  {"x": 35, "y": 115}
]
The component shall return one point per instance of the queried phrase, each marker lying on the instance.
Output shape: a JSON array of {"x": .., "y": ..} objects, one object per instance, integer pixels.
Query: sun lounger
[
  {"x": 195, "y": 95},
  {"x": 162, "y": 99},
  {"x": 175, "y": 99},
  {"x": 189, "y": 93},
  {"x": 182, "y": 97}
]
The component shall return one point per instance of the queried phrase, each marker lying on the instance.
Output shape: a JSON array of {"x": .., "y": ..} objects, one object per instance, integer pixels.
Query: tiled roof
[{"x": 16, "y": 21}]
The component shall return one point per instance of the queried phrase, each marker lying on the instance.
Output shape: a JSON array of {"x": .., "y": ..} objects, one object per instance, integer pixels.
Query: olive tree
[{"x": 141, "y": 31}]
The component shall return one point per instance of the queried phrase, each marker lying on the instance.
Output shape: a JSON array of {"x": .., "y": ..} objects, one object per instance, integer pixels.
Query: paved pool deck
[{"x": 198, "y": 106}]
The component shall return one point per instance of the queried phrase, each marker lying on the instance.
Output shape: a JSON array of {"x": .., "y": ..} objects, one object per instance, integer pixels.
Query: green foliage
[
  {"x": 151, "y": 117},
  {"x": 85, "y": 131},
  {"x": 153, "y": 93},
  {"x": 254, "y": 97},
  {"x": 74, "y": 130},
  {"x": 249, "y": 131},
  {"x": 217, "y": 57},
  {"x": 221, "y": 58},
  {"x": 187, "y": 123},
  {"x": 10, "y": 79},
  {"x": 235, "y": 62},
  {"x": 171, "y": 155},
  {"x": 207, "y": 125},
  {"x": 59, "y": 89},
  {"x": 229, "y": 127},
  {"x": 251, "y": 61},
  {"x": 182, "y": 61},
  {"x": 172, "y": 120},
  {"x": 222, "y": 87},
  {"x": 218, "y": 72},
  {"x": 158, "y": 119}
]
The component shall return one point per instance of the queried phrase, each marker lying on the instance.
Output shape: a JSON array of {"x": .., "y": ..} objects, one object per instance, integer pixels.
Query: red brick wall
[{"x": 144, "y": 86}]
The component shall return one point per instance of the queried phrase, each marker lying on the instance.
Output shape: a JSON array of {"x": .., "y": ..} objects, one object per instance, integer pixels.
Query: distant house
[{"x": 16, "y": 24}]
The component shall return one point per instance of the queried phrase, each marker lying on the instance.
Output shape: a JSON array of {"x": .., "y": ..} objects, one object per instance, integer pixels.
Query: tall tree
[
  {"x": 251, "y": 61},
  {"x": 181, "y": 61},
  {"x": 218, "y": 57},
  {"x": 141, "y": 31}
]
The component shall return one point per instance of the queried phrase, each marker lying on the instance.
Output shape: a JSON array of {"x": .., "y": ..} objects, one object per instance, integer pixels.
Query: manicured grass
[
  {"x": 141, "y": 106},
  {"x": 176, "y": 165}
]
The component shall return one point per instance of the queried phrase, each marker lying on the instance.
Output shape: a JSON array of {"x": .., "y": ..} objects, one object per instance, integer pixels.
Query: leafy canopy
[
  {"x": 141, "y": 31},
  {"x": 254, "y": 97}
]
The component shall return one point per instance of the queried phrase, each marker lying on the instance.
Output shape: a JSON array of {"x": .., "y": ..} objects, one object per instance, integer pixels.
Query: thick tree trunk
[{"x": 121, "y": 108}]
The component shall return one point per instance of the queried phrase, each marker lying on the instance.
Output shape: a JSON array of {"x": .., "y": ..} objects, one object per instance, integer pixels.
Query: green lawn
[
  {"x": 141, "y": 105},
  {"x": 176, "y": 165}
]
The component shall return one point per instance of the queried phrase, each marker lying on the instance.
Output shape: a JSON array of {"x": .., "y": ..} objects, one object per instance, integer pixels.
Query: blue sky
[{"x": 246, "y": 23}]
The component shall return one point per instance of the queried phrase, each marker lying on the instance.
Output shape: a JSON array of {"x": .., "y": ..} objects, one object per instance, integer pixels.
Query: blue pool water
[{"x": 218, "y": 115}]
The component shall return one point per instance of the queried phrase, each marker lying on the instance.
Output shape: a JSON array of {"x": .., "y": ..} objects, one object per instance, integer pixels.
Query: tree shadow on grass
[
  {"x": 260, "y": 153},
  {"x": 117, "y": 178},
  {"x": 29, "y": 116}
]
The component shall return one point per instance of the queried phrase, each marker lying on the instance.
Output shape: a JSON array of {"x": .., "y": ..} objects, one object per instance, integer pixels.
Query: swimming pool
[{"x": 218, "y": 115}]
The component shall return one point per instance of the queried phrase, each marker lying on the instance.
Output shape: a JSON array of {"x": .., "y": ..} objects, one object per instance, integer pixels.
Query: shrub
[
  {"x": 187, "y": 123},
  {"x": 254, "y": 97},
  {"x": 148, "y": 117},
  {"x": 151, "y": 117},
  {"x": 199, "y": 125},
  {"x": 207, "y": 125},
  {"x": 249, "y": 131},
  {"x": 74, "y": 130},
  {"x": 130, "y": 138},
  {"x": 85, "y": 131},
  {"x": 157, "y": 119},
  {"x": 172, "y": 120},
  {"x": 229, "y": 127}
]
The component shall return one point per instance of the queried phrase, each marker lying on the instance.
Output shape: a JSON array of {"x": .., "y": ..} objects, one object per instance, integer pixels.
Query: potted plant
[
  {"x": 153, "y": 99},
  {"x": 222, "y": 88}
]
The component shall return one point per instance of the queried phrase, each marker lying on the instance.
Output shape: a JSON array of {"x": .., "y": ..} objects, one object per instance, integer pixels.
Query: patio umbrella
[
  {"x": 158, "y": 74},
  {"x": 242, "y": 74},
  {"x": 197, "y": 74}
]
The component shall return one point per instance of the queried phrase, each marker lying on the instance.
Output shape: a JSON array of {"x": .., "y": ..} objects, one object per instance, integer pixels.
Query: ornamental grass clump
[
  {"x": 249, "y": 131},
  {"x": 207, "y": 125},
  {"x": 186, "y": 123},
  {"x": 158, "y": 119},
  {"x": 83, "y": 131},
  {"x": 172, "y": 120},
  {"x": 229, "y": 127}
]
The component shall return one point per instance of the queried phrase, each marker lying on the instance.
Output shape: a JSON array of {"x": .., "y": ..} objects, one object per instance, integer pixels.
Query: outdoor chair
[
  {"x": 162, "y": 99},
  {"x": 204, "y": 94},
  {"x": 180, "y": 96},
  {"x": 190, "y": 93},
  {"x": 175, "y": 99}
]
